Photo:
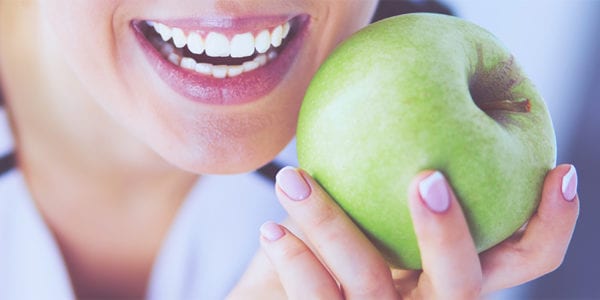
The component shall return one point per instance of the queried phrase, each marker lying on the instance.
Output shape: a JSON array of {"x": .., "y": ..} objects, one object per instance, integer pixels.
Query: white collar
[
  {"x": 31, "y": 265},
  {"x": 6, "y": 141}
]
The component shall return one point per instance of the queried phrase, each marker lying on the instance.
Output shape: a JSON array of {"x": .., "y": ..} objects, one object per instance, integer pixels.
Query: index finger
[{"x": 347, "y": 252}]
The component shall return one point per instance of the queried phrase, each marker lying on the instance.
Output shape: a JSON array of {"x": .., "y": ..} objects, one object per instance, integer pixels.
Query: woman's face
[{"x": 222, "y": 93}]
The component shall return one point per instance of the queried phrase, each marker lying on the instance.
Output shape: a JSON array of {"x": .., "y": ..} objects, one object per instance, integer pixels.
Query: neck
[{"x": 107, "y": 198}]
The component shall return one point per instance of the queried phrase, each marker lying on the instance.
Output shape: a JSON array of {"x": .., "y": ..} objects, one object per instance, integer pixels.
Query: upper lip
[{"x": 226, "y": 25}]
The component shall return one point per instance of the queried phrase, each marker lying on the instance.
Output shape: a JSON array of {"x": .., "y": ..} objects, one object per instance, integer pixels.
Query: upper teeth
[{"x": 215, "y": 44}]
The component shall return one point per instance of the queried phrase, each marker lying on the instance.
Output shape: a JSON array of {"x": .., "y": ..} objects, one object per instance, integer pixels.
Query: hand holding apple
[
  {"x": 419, "y": 92},
  {"x": 417, "y": 99},
  {"x": 321, "y": 254}
]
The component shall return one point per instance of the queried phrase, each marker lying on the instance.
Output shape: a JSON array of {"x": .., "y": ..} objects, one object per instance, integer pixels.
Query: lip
[
  {"x": 227, "y": 26},
  {"x": 245, "y": 88}
]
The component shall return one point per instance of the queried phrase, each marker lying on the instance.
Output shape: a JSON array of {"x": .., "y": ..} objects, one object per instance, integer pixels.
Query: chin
[
  {"x": 219, "y": 153},
  {"x": 217, "y": 162}
]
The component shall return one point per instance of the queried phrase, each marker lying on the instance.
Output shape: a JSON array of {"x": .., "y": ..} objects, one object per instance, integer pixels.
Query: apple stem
[{"x": 522, "y": 105}]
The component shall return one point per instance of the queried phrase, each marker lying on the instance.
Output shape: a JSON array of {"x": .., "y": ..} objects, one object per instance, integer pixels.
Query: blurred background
[{"x": 557, "y": 42}]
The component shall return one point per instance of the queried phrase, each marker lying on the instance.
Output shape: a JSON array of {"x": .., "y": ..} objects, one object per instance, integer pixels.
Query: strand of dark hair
[{"x": 390, "y": 8}]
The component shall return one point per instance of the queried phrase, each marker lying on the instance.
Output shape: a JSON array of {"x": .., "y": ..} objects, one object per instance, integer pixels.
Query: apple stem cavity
[{"x": 521, "y": 105}]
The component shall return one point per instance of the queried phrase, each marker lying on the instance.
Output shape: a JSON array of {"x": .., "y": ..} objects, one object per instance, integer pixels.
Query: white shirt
[{"x": 210, "y": 243}]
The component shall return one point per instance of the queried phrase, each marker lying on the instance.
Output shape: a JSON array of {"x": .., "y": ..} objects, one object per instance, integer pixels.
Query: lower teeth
[{"x": 176, "y": 57}]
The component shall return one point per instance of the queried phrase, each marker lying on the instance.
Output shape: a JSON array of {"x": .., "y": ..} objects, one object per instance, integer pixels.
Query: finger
[
  {"x": 542, "y": 246},
  {"x": 346, "y": 251},
  {"x": 259, "y": 281},
  {"x": 451, "y": 268},
  {"x": 301, "y": 274}
]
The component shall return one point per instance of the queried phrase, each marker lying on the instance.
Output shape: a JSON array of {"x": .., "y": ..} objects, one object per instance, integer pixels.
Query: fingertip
[
  {"x": 413, "y": 191},
  {"x": 569, "y": 184},
  {"x": 293, "y": 184},
  {"x": 560, "y": 188},
  {"x": 559, "y": 198},
  {"x": 298, "y": 269},
  {"x": 430, "y": 189},
  {"x": 271, "y": 231},
  {"x": 414, "y": 184},
  {"x": 434, "y": 193}
]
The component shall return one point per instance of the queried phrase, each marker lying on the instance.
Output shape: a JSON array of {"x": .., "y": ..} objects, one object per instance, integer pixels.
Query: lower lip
[{"x": 244, "y": 88}]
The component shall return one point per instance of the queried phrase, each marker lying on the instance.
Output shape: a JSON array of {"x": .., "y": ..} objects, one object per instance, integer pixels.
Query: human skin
[{"x": 84, "y": 99}]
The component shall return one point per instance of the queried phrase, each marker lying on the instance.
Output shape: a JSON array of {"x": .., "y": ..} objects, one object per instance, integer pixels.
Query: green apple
[{"x": 426, "y": 91}]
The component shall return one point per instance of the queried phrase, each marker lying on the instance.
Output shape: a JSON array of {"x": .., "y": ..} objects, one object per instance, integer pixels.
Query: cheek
[
  {"x": 85, "y": 40},
  {"x": 83, "y": 31}
]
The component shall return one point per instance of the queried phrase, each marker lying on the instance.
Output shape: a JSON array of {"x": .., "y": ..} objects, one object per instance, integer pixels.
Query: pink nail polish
[
  {"x": 569, "y": 184},
  {"x": 293, "y": 184},
  {"x": 271, "y": 231},
  {"x": 434, "y": 192}
]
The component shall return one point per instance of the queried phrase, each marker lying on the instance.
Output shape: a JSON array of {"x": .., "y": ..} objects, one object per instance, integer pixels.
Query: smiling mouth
[
  {"x": 223, "y": 61},
  {"x": 214, "y": 53}
]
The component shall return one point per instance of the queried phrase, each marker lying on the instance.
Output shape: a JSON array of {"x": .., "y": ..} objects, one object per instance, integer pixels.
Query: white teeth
[
  {"x": 174, "y": 58},
  {"x": 179, "y": 38},
  {"x": 219, "y": 71},
  {"x": 261, "y": 60},
  {"x": 166, "y": 49},
  {"x": 217, "y": 45},
  {"x": 204, "y": 68},
  {"x": 164, "y": 31},
  {"x": 188, "y": 63},
  {"x": 262, "y": 41},
  {"x": 242, "y": 45},
  {"x": 250, "y": 65},
  {"x": 195, "y": 43},
  {"x": 276, "y": 36},
  {"x": 235, "y": 71},
  {"x": 286, "y": 29}
]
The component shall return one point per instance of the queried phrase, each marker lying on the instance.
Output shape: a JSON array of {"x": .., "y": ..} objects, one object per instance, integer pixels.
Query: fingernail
[
  {"x": 569, "y": 184},
  {"x": 271, "y": 231},
  {"x": 293, "y": 184},
  {"x": 434, "y": 192}
]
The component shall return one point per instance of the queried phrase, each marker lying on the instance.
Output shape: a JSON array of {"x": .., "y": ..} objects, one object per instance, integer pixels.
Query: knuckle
[
  {"x": 469, "y": 294},
  {"x": 550, "y": 262},
  {"x": 466, "y": 292},
  {"x": 470, "y": 286},
  {"x": 543, "y": 259},
  {"x": 293, "y": 251},
  {"x": 473, "y": 289},
  {"x": 325, "y": 216},
  {"x": 322, "y": 291},
  {"x": 370, "y": 284}
]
